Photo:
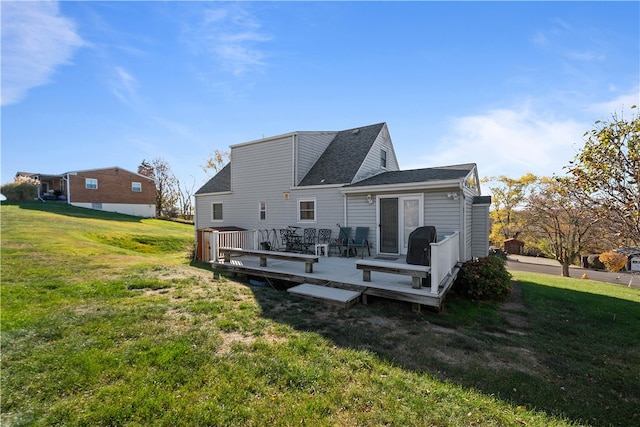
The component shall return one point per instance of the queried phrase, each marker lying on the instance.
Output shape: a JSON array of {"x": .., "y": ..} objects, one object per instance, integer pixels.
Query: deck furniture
[
  {"x": 360, "y": 241},
  {"x": 342, "y": 241},
  {"x": 308, "y": 240},
  {"x": 417, "y": 272},
  {"x": 324, "y": 238},
  {"x": 308, "y": 260}
]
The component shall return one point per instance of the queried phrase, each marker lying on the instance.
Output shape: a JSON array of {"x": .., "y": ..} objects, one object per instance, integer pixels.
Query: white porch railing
[
  {"x": 231, "y": 239},
  {"x": 445, "y": 254}
]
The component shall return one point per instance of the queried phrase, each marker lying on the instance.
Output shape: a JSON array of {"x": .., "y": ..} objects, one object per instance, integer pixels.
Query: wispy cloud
[
  {"x": 230, "y": 35},
  {"x": 509, "y": 142},
  {"x": 36, "y": 40},
  {"x": 124, "y": 86}
]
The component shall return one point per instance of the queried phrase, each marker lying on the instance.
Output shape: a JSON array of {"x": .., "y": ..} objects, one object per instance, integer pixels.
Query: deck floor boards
[{"x": 338, "y": 272}]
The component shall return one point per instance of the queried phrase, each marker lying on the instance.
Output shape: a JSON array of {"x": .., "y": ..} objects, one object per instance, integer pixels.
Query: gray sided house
[{"x": 350, "y": 177}]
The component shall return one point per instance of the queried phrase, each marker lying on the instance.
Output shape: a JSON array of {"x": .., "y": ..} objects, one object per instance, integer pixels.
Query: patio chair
[
  {"x": 324, "y": 236},
  {"x": 342, "y": 242},
  {"x": 308, "y": 239},
  {"x": 360, "y": 241}
]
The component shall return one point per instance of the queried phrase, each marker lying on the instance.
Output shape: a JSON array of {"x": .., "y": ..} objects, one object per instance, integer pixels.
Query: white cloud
[
  {"x": 124, "y": 86},
  {"x": 36, "y": 39},
  {"x": 509, "y": 142},
  {"x": 230, "y": 36}
]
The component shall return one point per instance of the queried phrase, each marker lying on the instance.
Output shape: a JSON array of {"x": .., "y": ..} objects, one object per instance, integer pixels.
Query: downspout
[
  {"x": 463, "y": 231},
  {"x": 344, "y": 213},
  {"x": 68, "y": 188},
  {"x": 293, "y": 161}
]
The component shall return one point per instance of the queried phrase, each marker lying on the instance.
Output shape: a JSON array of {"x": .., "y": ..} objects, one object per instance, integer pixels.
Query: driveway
[{"x": 547, "y": 266}]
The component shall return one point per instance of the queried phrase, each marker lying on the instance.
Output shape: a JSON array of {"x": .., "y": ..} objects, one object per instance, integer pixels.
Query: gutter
[{"x": 403, "y": 186}]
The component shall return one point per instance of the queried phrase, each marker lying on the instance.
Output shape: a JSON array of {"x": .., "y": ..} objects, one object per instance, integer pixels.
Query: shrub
[
  {"x": 485, "y": 279},
  {"x": 613, "y": 261},
  {"x": 19, "y": 191}
]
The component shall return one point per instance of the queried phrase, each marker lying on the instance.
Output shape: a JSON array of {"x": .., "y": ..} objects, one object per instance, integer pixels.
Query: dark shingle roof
[
  {"x": 343, "y": 157},
  {"x": 441, "y": 173},
  {"x": 219, "y": 183}
]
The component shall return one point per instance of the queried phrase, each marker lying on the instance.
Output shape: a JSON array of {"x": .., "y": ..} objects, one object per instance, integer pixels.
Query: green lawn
[{"x": 106, "y": 321}]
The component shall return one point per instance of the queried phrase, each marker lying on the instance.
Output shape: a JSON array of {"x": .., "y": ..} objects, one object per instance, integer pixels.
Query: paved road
[{"x": 546, "y": 266}]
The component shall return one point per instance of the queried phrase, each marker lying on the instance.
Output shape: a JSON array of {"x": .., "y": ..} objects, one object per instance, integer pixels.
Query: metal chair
[{"x": 308, "y": 239}]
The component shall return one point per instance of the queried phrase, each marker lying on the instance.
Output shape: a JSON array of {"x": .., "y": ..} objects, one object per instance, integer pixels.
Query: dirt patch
[{"x": 514, "y": 311}]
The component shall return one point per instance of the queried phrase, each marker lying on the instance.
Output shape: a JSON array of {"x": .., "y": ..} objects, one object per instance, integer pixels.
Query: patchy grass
[{"x": 99, "y": 330}]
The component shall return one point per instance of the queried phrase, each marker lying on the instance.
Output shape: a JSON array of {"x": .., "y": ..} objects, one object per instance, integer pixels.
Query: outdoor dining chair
[{"x": 360, "y": 241}]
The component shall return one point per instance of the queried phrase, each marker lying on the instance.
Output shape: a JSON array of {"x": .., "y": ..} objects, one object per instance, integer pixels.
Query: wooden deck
[{"x": 338, "y": 272}]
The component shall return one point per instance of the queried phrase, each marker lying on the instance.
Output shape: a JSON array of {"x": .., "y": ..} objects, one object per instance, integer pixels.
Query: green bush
[
  {"x": 485, "y": 279},
  {"x": 19, "y": 191}
]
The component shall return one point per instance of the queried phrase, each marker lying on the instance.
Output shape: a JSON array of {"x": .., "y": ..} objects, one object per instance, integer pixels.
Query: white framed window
[
  {"x": 216, "y": 211},
  {"x": 91, "y": 183},
  {"x": 262, "y": 210},
  {"x": 136, "y": 187},
  {"x": 306, "y": 210},
  {"x": 383, "y": 158}
]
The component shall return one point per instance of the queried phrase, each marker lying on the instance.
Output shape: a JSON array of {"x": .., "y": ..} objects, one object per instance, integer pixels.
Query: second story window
[
  {"x": 136, "y": 187},
  {"x": 383, "y": 158},
  {"x": 91, "y": 183}
]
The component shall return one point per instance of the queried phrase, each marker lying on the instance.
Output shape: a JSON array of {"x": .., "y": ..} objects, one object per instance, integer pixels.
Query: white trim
[
  {"x": 315, "y": 210},
  {"x": 212, "y": 211},
  {"x": 86, "y": 183},
  {"x": 414, "y": 186},
  {"x": 260, "y": 202}
]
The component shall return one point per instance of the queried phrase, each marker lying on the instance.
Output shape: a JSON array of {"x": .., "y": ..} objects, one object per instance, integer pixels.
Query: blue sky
[{"x": 511, "y": 86}]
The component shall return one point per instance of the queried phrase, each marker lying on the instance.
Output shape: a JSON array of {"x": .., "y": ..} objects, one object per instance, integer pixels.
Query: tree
[
  {"x": 508, "y": 196},
  {"x": 607, "y": 176},
  {"x": 166, "y": 184},
  {"x": 216, "y": 161},
  {"x": 555, "y": 212}
]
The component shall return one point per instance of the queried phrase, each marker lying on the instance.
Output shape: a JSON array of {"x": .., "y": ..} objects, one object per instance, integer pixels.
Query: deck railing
[
  {"x": 231, "y": 239},
  {"x": 445, "y": 254}
]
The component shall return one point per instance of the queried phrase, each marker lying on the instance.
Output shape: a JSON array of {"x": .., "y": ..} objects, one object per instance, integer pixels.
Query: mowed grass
[{"x": 106, "y": 321}]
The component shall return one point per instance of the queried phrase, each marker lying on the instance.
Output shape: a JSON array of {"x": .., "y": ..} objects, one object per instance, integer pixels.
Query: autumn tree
[
  {"x": 216, "y": 161},
  {"x": 508, "y": 196},
  {"x": 555, "y": 212},
  {"x": 607, "y": 177},
  {"x": 166, "y": 184}
]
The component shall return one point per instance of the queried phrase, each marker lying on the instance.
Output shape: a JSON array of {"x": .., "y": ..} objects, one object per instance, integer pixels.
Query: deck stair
[{"x": 334, "y": 296}]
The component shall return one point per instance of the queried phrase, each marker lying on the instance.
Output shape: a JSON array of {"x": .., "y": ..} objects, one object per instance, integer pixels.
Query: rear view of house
[
  {"x": 329, "y": 179},
  {"x": 110, "y": 189}
]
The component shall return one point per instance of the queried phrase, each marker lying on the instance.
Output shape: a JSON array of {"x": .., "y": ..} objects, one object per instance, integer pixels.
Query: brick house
[{"x": 110, "y": 189}]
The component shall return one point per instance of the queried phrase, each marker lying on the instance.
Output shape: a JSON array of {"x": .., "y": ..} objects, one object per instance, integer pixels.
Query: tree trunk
[{"x": 565, "y": 269}]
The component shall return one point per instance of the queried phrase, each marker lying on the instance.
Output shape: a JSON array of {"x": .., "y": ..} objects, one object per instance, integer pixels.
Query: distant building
[{"x": 514, "y": 246}]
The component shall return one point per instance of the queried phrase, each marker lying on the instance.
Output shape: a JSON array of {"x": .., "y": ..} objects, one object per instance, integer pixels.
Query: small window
[
  {"x": 262, "y": 209},
  {"x": 216, "y": 211},
  {"x": 306, "y": 210},
  {"x": 136, "y": 187},
  {"x": 97, "y": 206},
  {"x": 383, "y": 158},
  {"x": 91, "y": 183}
]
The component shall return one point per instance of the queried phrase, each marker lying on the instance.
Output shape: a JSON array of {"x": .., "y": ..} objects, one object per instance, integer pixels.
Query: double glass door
[{"x": 398, "y": 217}]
